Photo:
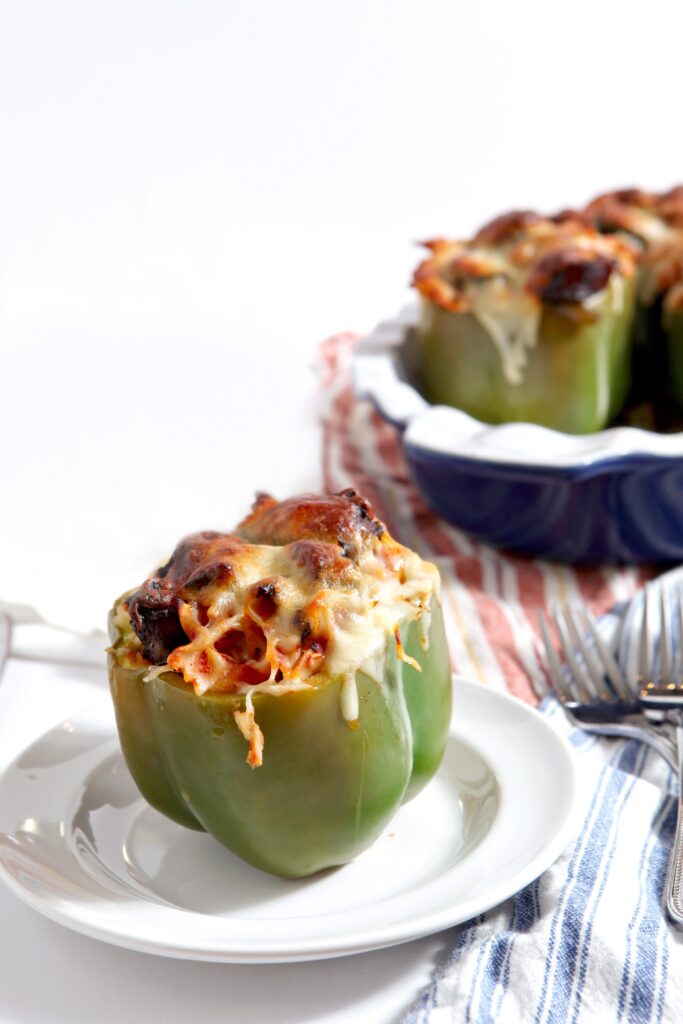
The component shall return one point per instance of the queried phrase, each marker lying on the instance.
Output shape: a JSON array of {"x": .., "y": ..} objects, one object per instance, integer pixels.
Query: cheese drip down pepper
[
  {"x": 286, "y": 686},
  {"x": 530, "y": 320}
]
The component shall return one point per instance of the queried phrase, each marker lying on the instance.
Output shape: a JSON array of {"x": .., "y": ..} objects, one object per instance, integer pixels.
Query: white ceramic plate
[{"x": 78, "y": 844}]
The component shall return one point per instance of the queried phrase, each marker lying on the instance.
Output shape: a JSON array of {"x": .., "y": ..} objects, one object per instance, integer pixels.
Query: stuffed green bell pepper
[
  {"x": 287, "y": 686},
  {"x": 654, "y": 222},
  {"x": 528, "y": 321}
]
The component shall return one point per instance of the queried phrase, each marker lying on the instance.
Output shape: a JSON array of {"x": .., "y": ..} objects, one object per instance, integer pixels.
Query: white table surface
[{"x": 191, "y": 197}]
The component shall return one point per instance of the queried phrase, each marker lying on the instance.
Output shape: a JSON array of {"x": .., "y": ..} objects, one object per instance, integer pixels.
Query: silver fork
[
  {"x": 661, "y": 697},
  {"x": 592, "y": 688}
]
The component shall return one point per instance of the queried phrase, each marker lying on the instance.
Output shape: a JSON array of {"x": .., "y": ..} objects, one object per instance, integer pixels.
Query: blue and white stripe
[{"x": 588, "y": 941}]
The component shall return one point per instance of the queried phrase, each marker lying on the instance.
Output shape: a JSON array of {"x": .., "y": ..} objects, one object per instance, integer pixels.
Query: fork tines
[
  {"x": 591, "y": 672},
  {"x": 659, "y": 653}
]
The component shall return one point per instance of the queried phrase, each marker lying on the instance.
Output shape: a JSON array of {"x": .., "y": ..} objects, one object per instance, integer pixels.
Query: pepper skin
[
  {"x": 325, "y": 790},
  {"x": 576, "y": 378},
  {"x": 674, "y": 325},
  {"x": 528, "y": 321},
  {"x": 654, "y": 222}
]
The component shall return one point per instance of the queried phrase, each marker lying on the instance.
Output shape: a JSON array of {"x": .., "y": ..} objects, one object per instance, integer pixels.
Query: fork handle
[
  {"x": 653, "y": 736},
  {"x": 674, "y": 876}
]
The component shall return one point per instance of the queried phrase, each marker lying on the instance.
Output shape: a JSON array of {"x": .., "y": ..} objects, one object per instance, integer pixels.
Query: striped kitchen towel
[
  {"x": 588, "y": 940},
  {"x": 490, "y": 599}
]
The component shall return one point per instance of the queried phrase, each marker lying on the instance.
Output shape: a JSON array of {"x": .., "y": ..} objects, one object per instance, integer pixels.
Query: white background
[{"x": 192, "y": 195}]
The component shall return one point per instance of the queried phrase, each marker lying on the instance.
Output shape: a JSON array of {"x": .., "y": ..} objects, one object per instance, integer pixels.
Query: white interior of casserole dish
[{"x": 449, "y": 431}]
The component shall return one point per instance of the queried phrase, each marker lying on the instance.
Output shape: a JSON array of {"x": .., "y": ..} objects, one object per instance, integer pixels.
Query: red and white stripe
[{"x": 490, "y": 599}]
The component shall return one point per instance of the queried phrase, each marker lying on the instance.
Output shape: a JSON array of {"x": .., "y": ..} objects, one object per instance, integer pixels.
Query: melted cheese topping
[
  {"x": 346, "y": 626},
  {"x": 495, "y": 278},
  {"x": 511, "y": 317},
  {"x": 648, "y": 226},
  {"x": 287, "y": 616},
  {"x": 657, "y": 220},
  {"x": 662, "y": 270}
]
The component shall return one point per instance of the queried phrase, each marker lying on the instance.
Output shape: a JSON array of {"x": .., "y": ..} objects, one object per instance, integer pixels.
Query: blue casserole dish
[{"x": 614, "y": 496}]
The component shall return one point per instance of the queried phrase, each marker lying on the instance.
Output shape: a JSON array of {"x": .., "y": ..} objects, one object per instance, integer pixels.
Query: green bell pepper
[
  {"x": 576, "y": 378},
  {"x": 653, "y": 222},
  {"x": 325, "y": 790},
  {"x": 530, "y": 320},
  {"x": 674, "y": 331}
]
